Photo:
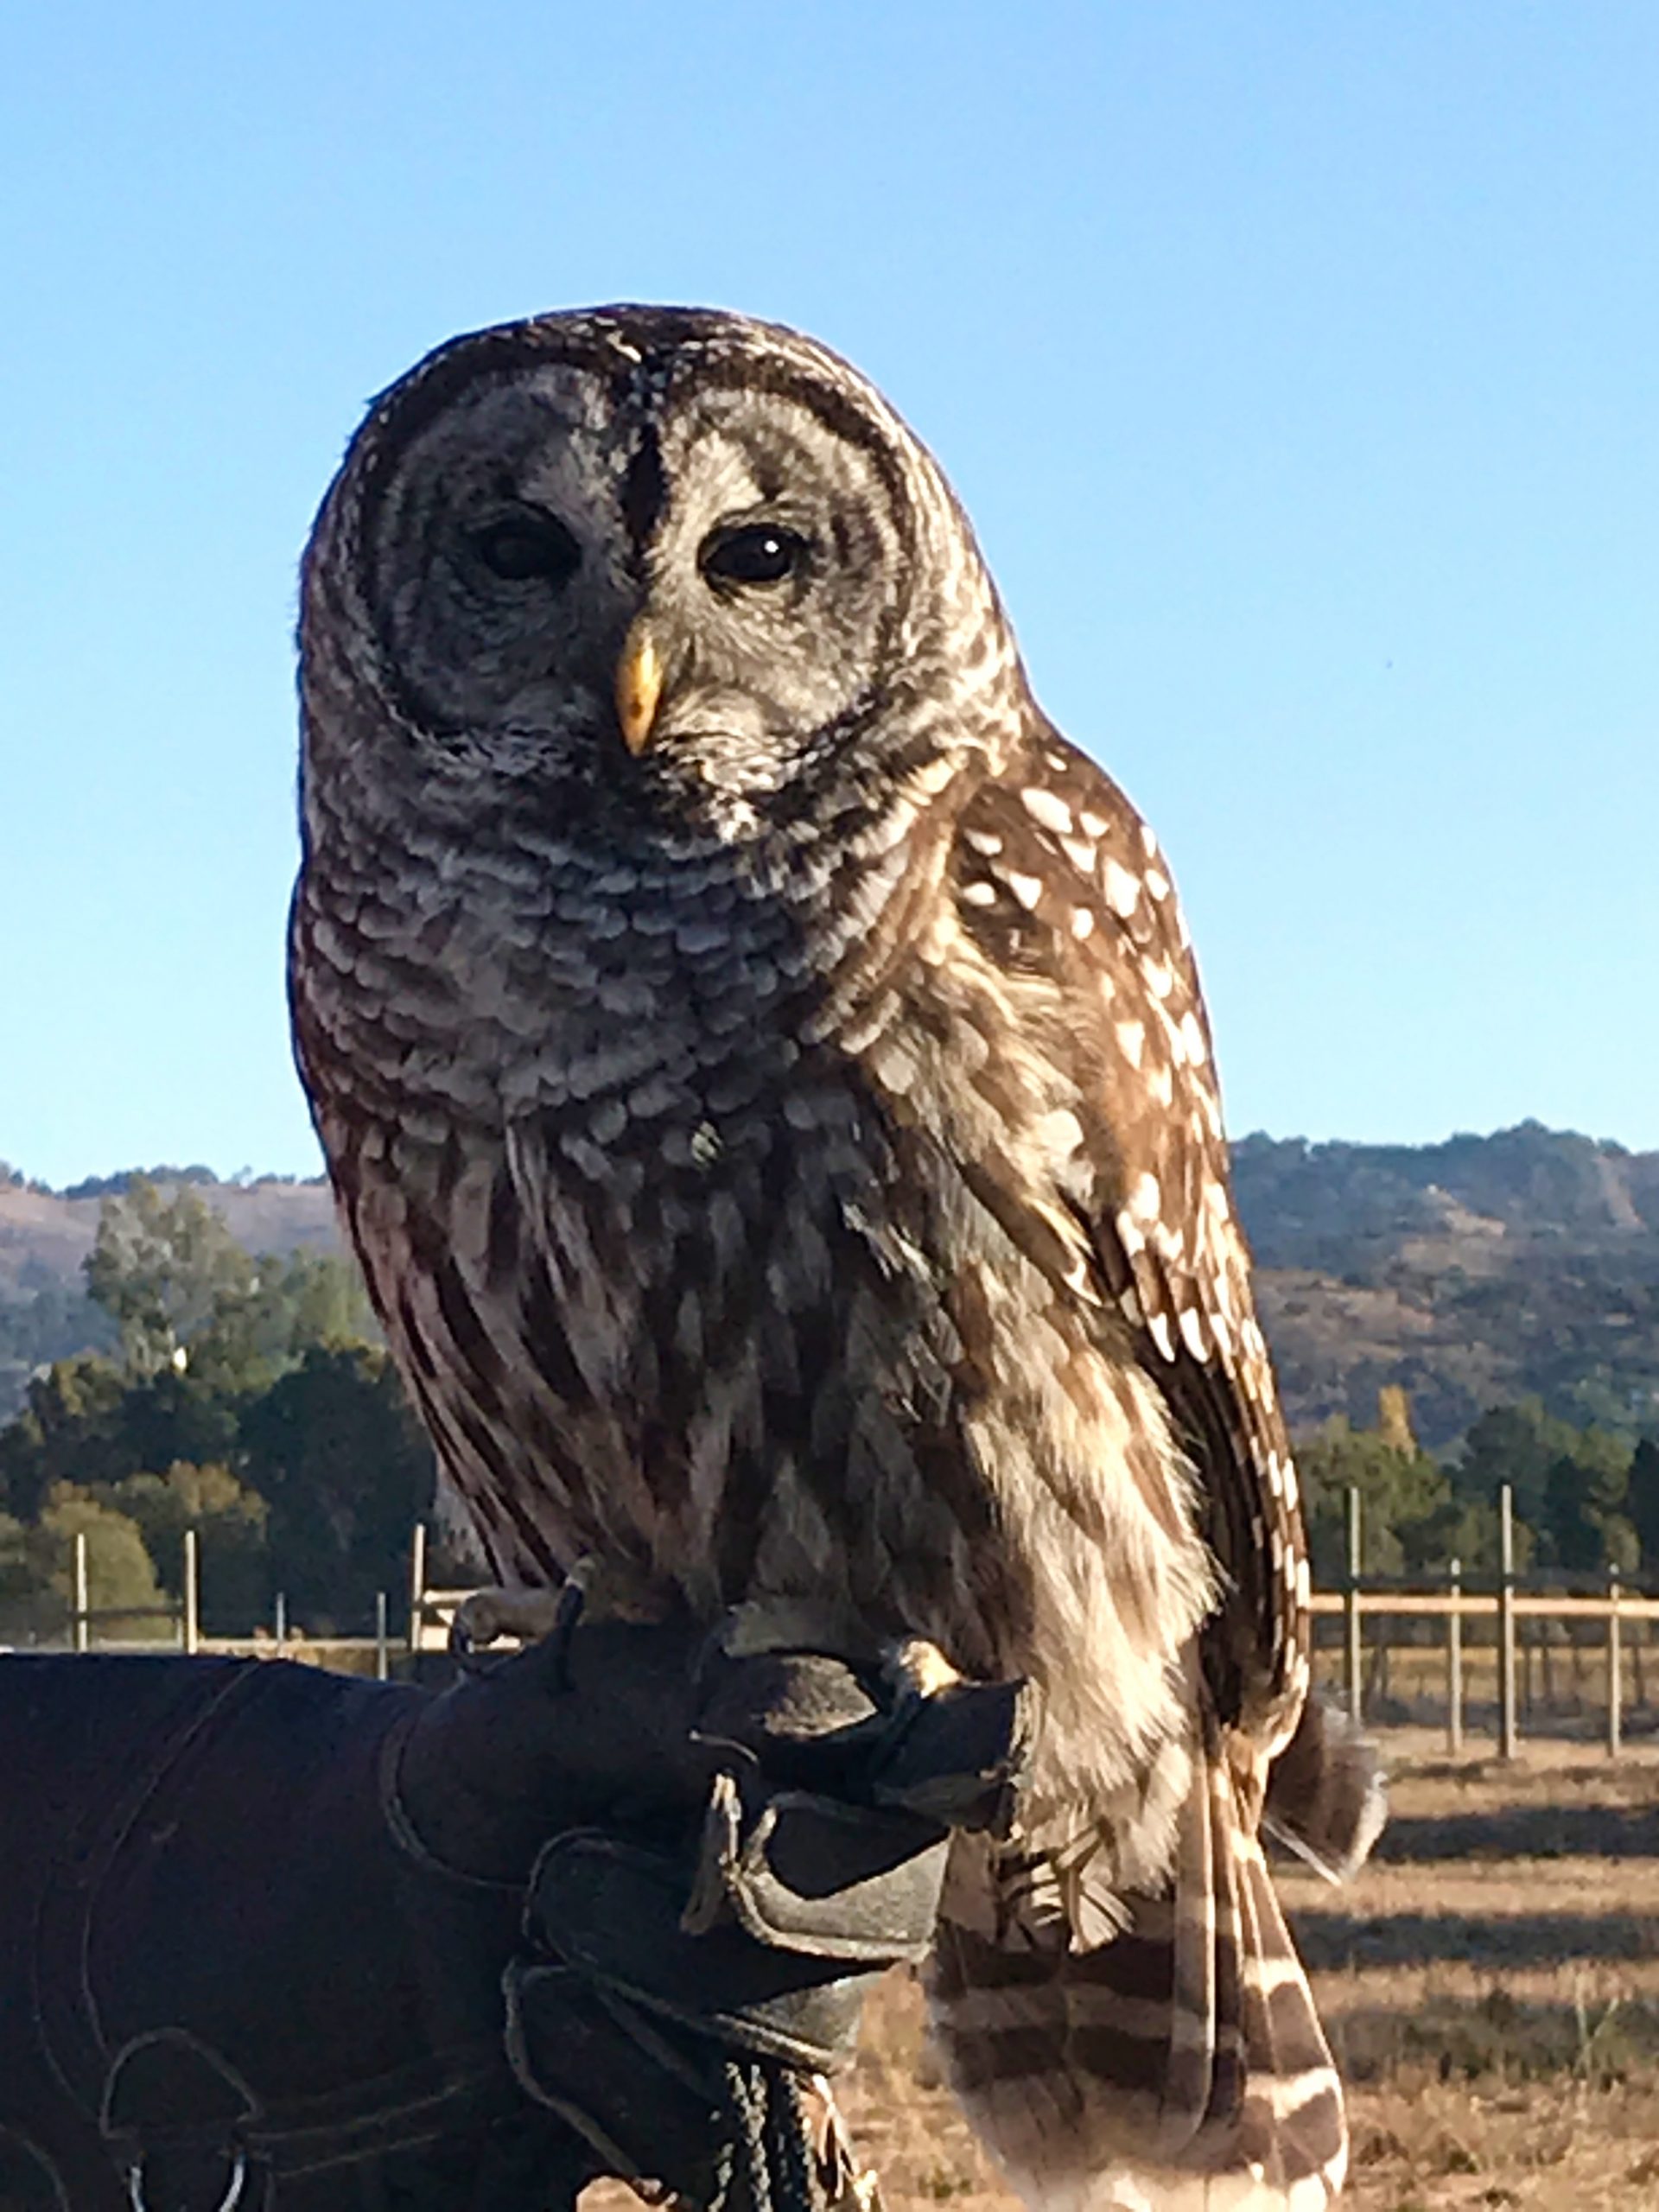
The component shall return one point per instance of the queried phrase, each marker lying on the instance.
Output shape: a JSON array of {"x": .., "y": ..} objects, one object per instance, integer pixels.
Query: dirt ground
[{"x": 1491, "y": 1983}]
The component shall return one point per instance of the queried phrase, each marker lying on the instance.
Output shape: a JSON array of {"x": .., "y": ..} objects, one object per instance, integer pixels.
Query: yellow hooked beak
[{"x": 638, "y": 687}]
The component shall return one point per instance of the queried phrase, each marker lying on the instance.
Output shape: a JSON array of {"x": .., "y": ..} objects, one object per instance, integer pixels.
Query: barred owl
[{"x": 762, "y": 1069}]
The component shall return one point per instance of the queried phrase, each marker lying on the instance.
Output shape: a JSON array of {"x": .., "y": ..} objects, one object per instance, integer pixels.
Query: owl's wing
[{"x": 1078, "y": 889}]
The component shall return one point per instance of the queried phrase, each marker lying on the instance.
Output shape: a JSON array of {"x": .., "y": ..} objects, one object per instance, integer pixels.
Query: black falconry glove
[{"x": 271, "y": 1938}]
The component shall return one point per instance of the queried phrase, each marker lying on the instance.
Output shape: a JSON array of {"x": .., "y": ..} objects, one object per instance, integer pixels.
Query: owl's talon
[
  {"x": 547, "y": 1616},
  {"x": 918, "y": 1669},
  {"x": 489, "y": 1616}
]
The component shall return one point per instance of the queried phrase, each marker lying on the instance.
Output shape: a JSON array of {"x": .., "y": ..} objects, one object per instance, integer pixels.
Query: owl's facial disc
[{"x": 702, "y": 573}]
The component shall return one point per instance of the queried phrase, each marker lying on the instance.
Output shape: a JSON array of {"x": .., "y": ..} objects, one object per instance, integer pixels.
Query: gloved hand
[
  {"x": 672, "y": 1997},
  {"x": 271, "y": 1913}
]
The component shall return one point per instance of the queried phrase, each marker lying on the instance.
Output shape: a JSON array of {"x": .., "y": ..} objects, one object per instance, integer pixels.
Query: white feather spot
[
  {"x": 1122, "y": 890},
  {"x": 1027, "y": 889},
  {"x": 1192, "y": 1038},
  {"x": 1158, "y": 1329},
  {"x": 1081, "y": 853},
  {"x": 1082, "y": 922},
  {"x": 1148, "y": 840},
  {"x": 1161, "y": 1084},
  {"x": 1045, "y": 807},
  {"x": 1159, "y": 977},
  {"x": 892, "y": 1065},
  {"x": 1146, "y": 1199},
  {"x": 980, "y": 894},
  {"x": 1094, "y": 825},
  {"x": 983, "y": 841},
  {"x": 932, "y": 776},
  {"x": 1129, "y": 1235},
  {"x": 1132, "y": 1041},
  {"x": 1129, "y": 1303},
  {"x": 1062, "y": 1131},
  {"x": 1169, "y": 1243},
  {"x": 1157, "y": 884}
]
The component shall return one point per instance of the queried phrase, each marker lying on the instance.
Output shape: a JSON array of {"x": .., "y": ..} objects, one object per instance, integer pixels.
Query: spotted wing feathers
[{"x": 1057, "y": 872}]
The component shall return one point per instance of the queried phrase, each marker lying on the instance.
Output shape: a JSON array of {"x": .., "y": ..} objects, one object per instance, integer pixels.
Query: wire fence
[
  {"x": 1477, "y": 1656},
  {"x": 146, "y": 1631},
  {"x": 1493, "y": 1654}
]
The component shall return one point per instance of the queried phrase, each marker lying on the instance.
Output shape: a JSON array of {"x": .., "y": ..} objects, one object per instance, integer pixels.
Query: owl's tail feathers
[
  {"x": 1327, "y": 1795},
  {"x": 1177, "y": 2066}
]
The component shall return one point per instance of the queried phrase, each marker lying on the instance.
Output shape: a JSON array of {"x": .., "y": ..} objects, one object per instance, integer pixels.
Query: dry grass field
[{"x": 1491, "y": 1984}]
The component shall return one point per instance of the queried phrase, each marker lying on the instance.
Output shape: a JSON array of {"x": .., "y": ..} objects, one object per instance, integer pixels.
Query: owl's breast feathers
[{"x": 855, "y": 1226}]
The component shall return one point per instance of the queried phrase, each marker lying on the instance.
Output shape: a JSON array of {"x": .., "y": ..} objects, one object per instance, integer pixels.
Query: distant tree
[
  {"x": 68, "y": 1431},
  {"x": 52, "y": 1320},
  {"x": 16, "y": 1573},
  {"x": 335, "y": 1453},
  {"x": 290, "y": 1304},
  {"x": 160, "y": 1267},
  {"x": 1468, "y": 1530},
  {"x": 230, "y": 1521},
  {"x": 1587, "y": 1491},
  {"x": 1643, "y": 1491},
  {"x": 1400, "y": 1492},
  {"x": 1517, "y": 1444},
  {"x": 88, "y": 1423},
  {"x": 120, "y": 1574},
  {"x": 1394, "y": 1417}
]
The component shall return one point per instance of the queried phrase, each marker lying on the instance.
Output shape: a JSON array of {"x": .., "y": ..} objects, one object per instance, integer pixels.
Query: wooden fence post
[
  {"x": 279, "y": 1618},
  {"x": 416, "y": 1585},
  {"x": 1508, "y": 1736},
  {"x": 1353, "y": 1657},
  {"x": 382, "y": 1656},
  {"x": 1454, "y": 1660},
  {"x": 190, "y": 1626},
  {"x": 1615, "y": 1667},
  {"x": 83, "y": 1628}
]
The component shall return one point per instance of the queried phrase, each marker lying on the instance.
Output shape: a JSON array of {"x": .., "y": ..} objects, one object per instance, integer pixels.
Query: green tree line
[
  {"x": 1584, "y": 1498},
  {"x": 246, "y": 1396}
]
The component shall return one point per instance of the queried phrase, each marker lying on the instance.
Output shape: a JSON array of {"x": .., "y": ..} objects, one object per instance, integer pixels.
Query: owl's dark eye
[
  {"x": 752, "y": 553},
  {"x": 523, "y": 546}
]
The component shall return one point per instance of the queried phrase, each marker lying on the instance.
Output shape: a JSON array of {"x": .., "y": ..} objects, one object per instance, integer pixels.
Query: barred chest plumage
[
  {"x": 619, "y": 1183},
  {"x": 687, "y": 1196}
]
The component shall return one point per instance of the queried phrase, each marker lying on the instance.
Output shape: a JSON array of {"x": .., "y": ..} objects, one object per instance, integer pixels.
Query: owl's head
[{"x": 659, "y": 560}]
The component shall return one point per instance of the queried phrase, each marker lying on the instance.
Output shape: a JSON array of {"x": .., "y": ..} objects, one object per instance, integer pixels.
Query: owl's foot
[{"x": 490, "y": 1617}]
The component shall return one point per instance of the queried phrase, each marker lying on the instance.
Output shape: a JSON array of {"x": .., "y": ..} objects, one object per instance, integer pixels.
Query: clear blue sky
[{"x": 1298, "y": 362}]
